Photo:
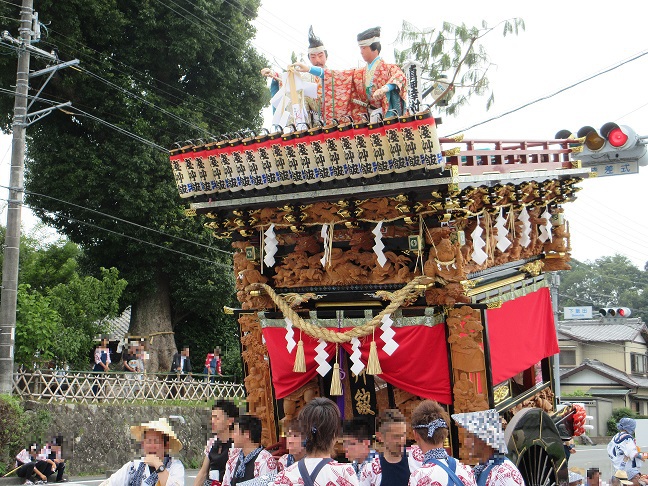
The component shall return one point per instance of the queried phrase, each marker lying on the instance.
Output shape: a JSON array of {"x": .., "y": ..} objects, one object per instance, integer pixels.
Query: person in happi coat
[
  {"x": 485, "y": 439},
  {"x": 431, "y": 430},
  {"x": 156, "y": 466},
  {"x": 248, "y": 459},
  {"x": 319, "y": 422}
]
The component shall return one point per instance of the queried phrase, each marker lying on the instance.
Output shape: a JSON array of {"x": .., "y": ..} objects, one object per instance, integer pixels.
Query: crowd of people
[
  {"x": 321, "y": 449},
  {"x": 234, "y": 455}
]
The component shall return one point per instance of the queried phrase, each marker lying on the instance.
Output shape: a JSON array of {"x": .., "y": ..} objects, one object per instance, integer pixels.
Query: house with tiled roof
[{"x": 607, "y": 358}]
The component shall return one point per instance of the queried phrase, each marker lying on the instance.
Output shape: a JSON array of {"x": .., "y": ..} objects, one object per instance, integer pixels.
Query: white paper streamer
[
  {"x": 388, "y": 335},
  {"x": 269, "y": 246},
  {"x": 327, "y": 250},
  {"x": 502, "y": 232},
  {"x": 379, "y": 246},
  {"x": 290, "y": 336},
  {"x": 545, "y": 229},
  {"x": 525, "y": 239},
  {"x": 322, "y": 358},
  {"x": 478, "y": 254},
  {"x": 356, "y": 363}
]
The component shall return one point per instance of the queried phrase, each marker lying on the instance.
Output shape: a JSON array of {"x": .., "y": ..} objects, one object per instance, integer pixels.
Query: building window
[
  {"x": 568, "y": 357},
  {"x": 638, "y": 363}
]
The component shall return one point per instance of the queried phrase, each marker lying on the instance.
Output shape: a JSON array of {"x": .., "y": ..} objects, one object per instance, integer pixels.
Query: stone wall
[{"x": 97, "y": 437}]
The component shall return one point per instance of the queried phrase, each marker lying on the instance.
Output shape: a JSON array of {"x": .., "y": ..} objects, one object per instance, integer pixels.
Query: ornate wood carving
[{"x": 257, "y": 380}]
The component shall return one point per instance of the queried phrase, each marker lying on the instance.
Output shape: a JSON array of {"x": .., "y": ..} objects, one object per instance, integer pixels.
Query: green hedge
[{"x": 18, "y": 428}]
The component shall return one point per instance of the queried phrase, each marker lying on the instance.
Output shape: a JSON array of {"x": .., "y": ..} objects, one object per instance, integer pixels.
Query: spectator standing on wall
[
  {"x": 213, "y": 364},
  {"x": 101, "y": 362}
]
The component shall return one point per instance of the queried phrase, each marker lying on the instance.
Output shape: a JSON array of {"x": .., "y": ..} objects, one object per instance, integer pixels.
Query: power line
[
  {"x": 116, "y": 218},
  {"x": 145, "y": 78},
  {"x": 143, "y": 100},
  {"x": 188, "y": 255},
  {"x": 618, "y": 65}
]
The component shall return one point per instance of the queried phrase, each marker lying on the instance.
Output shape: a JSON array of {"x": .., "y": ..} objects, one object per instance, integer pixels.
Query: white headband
[
  {"x": 368, "y": 42},
  {"x": 315, "y": 50}
]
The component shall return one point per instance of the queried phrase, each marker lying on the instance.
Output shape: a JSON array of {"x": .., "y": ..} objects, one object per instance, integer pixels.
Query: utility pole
[
  {"x": 22, "y": 119},
  {"x": 12, "y": 237},
  {"x": 555, "y": 286}
]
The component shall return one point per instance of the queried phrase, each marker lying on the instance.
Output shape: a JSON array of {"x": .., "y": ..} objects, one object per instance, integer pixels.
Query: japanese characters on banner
[{"x": 308, "y": 155}]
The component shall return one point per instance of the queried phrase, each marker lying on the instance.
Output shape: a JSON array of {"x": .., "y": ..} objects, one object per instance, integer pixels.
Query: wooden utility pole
[{"x": 12, "y": 237}]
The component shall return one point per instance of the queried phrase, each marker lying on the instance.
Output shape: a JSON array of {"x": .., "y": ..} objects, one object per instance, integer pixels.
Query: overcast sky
[{"x": 564, "y": 43}]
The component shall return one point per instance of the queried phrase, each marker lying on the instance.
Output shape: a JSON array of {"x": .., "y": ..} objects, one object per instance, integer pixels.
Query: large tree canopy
[{"x": 166, "y": 71}]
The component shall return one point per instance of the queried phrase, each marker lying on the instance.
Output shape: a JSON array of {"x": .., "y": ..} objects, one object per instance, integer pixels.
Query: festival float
[{"x": 380, "y": 265}]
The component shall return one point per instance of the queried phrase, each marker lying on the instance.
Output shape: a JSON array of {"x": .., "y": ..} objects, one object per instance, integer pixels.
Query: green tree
[
  {"x": 455, "y": 51},
  {"x": 61, "y": 324},
  {"x": 176, "y": 71},
  {"x": 37, "y": 326},
  {"x": 607, "y": 281}
]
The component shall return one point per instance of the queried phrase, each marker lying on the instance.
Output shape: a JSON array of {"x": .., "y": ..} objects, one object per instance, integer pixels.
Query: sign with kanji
[{"x": 578, "y": 312}]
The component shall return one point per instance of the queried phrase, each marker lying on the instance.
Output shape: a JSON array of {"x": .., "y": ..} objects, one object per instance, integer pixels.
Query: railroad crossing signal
[{"x": 612, "y": 150}]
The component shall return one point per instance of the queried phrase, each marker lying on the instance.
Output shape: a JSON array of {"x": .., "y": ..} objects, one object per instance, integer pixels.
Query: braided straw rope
[{"x": 398, "y": 298}]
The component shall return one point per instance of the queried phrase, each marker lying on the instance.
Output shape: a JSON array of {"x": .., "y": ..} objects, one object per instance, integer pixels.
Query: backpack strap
[
  {"x": 309, "y": 479},
  {"x": 451, "y": 472},
  {"x": 483, "y": 477}
]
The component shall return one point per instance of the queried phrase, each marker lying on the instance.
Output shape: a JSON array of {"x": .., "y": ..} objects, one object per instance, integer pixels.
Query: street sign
[
  {"x": 608, "y": 168},
  {"x": 578, "y": 312}
]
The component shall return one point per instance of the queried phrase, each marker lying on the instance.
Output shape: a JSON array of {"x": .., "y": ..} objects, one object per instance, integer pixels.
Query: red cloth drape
[
  {"x": 419, "y": 365},
  {"x": 520, "y": 334}
]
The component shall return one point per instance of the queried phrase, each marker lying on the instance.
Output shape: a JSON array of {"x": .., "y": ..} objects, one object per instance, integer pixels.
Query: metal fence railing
[{"x": 88, "y": 387}]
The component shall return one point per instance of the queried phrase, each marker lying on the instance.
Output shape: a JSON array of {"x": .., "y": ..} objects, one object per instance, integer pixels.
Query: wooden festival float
[{"x": 380, "y": 265}]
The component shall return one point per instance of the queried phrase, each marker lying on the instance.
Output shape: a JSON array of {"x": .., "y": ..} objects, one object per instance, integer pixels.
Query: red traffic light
[{"x": 615, "y": 312}]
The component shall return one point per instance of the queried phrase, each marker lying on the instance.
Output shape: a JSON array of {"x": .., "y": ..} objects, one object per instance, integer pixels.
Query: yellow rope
[{"x": 398, "y": 298}]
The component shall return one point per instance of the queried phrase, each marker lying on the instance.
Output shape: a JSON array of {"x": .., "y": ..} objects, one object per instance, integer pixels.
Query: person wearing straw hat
[
  {"x": 620, "y": 478},
  {"x": 156, "y": 467},
  {"x": 485, "y": 439},
  {"x": 431, "y": 431},
  {"x": 622, "y": 449}
]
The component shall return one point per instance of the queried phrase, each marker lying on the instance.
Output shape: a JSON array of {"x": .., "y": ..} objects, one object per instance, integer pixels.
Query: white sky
[{"x": 564, "y": 43}]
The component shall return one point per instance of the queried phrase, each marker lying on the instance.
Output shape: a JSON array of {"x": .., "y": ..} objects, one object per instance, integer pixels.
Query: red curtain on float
[
  {"x": 520, "y": 334},
  {"x": 419, "y": 365}
]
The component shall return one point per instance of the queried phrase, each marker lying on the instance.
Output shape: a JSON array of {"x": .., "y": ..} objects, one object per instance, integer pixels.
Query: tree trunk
[{"x": 151, "y": 319}]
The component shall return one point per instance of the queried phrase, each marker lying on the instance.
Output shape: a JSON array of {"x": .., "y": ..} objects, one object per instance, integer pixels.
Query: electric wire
[
  {"x": 188, "y": 255},
  {"x": 143, "y": 100},
  {"x": 204, "y": 24},
  {"x": 11, "y": 3},
  {"x": 546, "y": 97},
  {"x": 581, "y": 215},
  {"x": 116, "y": 218},
  {"x": 145, "y": 78}
]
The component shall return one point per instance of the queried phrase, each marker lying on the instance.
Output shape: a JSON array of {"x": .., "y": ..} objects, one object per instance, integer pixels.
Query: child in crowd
[
  {"x": 395, "y": 464},
  {"x": 248, "y": 459},
  {"x": 294, "y": 444},
  {"x": 319, "y": 422},
  {"x": 431, "y": 430},
  {"x": 357, "y": 443}
]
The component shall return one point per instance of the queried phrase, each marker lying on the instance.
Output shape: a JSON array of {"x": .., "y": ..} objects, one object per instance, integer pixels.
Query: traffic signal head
[
  {"x": 614, "y": 149},
  {"x": 615, "y": 312}
]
